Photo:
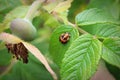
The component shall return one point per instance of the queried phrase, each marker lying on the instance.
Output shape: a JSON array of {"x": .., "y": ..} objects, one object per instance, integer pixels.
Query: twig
[
  {"x": 80, "y": 29},
  {"x": 33, "y": 8}
]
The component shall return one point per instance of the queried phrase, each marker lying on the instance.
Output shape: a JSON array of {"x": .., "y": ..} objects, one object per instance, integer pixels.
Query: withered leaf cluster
[{"x": 19, "y": 51}]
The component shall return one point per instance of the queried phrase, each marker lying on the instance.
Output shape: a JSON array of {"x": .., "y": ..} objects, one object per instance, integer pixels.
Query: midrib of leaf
[
  {"x": 108, "y": 58},
  {"x": 110, "y": 49},
  {"x": 95, "y": 16},
  {"x": 112, "y": 52},
  {"x": 87, "y": 54},
  {"x": 73, "y": 63},
  {"x": 77, "y": 56},
  {"x": 82, "y": 55},
  {"x": 108, "y": 30},
  {"x": 74, "y": 50},
  {"x": 103, "y": 22}
]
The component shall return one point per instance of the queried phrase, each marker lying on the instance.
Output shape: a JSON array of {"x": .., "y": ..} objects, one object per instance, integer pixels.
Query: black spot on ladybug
[{"x": 64, "y": 37}]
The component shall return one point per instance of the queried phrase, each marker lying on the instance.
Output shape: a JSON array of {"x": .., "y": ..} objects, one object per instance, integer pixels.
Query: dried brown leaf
[
  {"x": 40, "y": 57},
  {"x": 8, "y": 38}
]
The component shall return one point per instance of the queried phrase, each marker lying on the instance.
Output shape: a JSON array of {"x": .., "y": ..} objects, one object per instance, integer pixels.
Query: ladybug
[{"x": 64, "y": 37}]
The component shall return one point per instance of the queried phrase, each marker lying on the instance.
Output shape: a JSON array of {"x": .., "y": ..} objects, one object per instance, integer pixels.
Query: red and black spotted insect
[{"x": 64, "y": 37}]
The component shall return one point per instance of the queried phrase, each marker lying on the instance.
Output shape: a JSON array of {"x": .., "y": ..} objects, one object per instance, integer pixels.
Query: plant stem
[
  {"x": 80, "y": 29},
  {"x": 33, "y": 8}
]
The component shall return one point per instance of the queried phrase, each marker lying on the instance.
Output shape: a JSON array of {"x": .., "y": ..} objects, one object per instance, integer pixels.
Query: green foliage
[
  {"x": 58, "y": 49},
  {"x": 94, "y": 16},
  {"x": 50, "y": 20},
  {"x": 5, "y": 57},
  {"x": 98, "y": 22},
  {"x": 25, "y": 71},
  {"x": 81, "y": 59},
  {"x": 111, "y": 6},
  {"x": 76, "y": 7},
  {"x": 32, "y": 70},
  {"x": 6, "y": 5},
  {"x": 18, "y": 12},
  {"x": 111, "y": 51}
]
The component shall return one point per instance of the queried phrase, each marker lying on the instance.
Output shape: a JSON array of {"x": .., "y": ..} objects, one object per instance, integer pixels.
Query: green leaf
[
  {"x": 61, "y": 11},
  {"x": 33, "y": 70},
  {"x": 63, "y": 6},
  {"x": 2, "y": 28},
  {"x": 51, "y": 22},
  {"x": 1, "y": 17},
  {"x": 18, "y": 12},
  {"x": 52, "y": 4},
  {"x": 46, "y": 20},
  {"x": 22, "y": 71},
  {"x": 103, "y": 30},
  {"x": 94, "y": 16},
  {"x": 8, "y": 4},
  {"x": 111, "y": 51},
  {"x": 111, "y": 6},
  {"x": 98, "y": 22},
  {"x": 107, "y": 30},
  {"x": 5, "y": 57},
  {"x": 81, "y": 59},
  {"x": 76, "y": 7},
  {"x": 57, "y": 49}
]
